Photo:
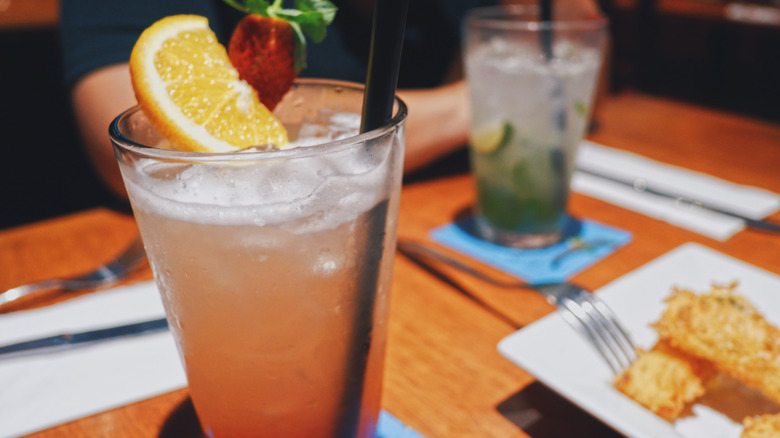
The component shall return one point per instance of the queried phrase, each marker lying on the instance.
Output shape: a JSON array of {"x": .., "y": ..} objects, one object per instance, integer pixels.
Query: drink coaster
[{"x": 586, "y": 243}]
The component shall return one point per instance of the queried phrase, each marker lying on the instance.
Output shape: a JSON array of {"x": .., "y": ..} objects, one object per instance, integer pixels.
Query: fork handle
[
  {"x": 26, "y": 289},
  {"x": 413, "y": 248}
]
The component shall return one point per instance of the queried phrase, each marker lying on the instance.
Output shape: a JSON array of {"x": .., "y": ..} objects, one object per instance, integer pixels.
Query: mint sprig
[{"x": 312, "y": 16}]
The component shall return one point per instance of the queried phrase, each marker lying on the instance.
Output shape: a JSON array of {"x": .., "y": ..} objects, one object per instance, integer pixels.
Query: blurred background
[
  {"x": 43, "y": 169},
  {"x": 719, "y": 54}
]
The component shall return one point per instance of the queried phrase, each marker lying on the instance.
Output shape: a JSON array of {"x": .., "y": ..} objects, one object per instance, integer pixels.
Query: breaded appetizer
[
  {"x": 664, "y": 380},
  {"x": 723, "y": 328},
  {"x": 761, "y": 426}
]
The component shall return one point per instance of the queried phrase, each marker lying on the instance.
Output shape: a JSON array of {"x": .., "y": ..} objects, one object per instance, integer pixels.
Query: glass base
[{"x": 517, "y": 240}]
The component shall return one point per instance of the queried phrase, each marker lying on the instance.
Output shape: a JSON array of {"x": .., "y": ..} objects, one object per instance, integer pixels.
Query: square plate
[{"x": 562, "y": 359}]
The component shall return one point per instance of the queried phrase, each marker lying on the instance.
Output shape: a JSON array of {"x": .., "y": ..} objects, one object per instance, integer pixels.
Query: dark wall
[
  {"x": 717, "y": 63},
  {"x": 43, "y": 169}
]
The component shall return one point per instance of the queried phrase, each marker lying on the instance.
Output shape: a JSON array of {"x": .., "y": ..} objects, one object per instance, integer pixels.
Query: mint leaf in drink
[{"x": 581, "y": 108}]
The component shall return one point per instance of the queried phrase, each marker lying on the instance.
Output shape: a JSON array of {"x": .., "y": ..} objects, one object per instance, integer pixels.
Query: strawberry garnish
[{"x": 268, "y": 47}]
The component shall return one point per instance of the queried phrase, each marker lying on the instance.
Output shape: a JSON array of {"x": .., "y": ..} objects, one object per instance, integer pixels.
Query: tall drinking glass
[
  {"x": 532, "y": 86},
  {"x": 274, "y": 267}
]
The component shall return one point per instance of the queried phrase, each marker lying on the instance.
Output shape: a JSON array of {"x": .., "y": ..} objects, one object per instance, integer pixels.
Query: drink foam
[{"x": 305, "y": 193}]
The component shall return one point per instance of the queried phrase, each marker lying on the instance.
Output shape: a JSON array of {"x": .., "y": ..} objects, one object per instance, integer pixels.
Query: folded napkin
[
  {"x": 45, "y": 390},
  {"x": 553, "y": 263},
  {"x": 748, "y": 201},
  {"x": 41, "y": 391}
]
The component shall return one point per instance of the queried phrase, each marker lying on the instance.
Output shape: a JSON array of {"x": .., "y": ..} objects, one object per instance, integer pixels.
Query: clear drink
[
  {"x": 274, "y": 267},
  {"x": 529, "y": 112}
]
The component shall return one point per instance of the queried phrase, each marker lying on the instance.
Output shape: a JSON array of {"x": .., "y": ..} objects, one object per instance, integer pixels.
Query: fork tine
[
  {"x": 104, "y": 275},
  {"x": 578, "y": 318},
  {"x": 110, "y": 273},
  {"x": 609, "y": 330},
  {"x": 611, "y": 322}
]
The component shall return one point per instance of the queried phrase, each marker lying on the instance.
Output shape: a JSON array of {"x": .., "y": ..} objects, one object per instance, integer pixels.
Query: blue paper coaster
[
  {"x": 391, "y": 427},
  {"x": 550, "y": 264}
]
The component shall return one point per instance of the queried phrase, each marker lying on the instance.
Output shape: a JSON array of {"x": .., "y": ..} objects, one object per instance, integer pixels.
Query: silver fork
[
  {"x": 103, "y": 276},
  {"x": 583, "y": 310}
]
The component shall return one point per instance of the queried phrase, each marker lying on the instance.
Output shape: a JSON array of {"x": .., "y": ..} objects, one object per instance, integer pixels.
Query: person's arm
[
  {"x": 438, "y": 122},
  {"x": 98, "y": 98}
]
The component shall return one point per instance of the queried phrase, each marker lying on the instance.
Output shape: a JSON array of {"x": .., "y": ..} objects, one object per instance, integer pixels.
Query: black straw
[
  {"x": 558, "y": 157},
  {"x": 545, "y": 18},
  {"x": 384, "y": 59},
  {"x": 367, "y": 286}
]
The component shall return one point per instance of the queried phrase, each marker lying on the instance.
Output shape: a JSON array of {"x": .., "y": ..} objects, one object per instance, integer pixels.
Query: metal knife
[
  {"x": 640, "y": 185},
  {"x": 67, "y": 341}
]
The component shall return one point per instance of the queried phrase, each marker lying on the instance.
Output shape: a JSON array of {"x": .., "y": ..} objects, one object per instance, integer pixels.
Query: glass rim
[
  {"x": 121, "y": 140},
  {"x": 525, "y": 18}
]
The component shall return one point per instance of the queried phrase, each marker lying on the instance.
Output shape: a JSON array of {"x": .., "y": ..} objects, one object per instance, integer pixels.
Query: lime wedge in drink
[{"x": 491, "y": 137}]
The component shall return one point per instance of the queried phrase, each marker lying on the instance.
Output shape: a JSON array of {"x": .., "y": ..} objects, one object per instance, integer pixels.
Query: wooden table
[{"x": 444, "y": 376}]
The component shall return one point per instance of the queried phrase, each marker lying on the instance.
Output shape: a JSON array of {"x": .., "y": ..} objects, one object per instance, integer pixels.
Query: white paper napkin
[
  {"x": 751, "y": 202},
  {"x": 37, "y": 392}
]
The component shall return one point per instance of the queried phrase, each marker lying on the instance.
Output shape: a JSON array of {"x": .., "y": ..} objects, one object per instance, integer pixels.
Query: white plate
[{"x": 564, "y": 361}]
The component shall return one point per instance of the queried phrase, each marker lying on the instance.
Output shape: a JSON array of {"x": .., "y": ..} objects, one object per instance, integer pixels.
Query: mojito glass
[
  {"x": 532, "y": 86},
  {"x": 274, "y": 266}
]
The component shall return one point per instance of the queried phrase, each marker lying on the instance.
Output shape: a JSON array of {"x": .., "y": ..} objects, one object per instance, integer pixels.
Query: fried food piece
[
  {"x": 664, "y": 380},
  {"x": 723, "y": 328},
  {"x": 761, "y": 426}
]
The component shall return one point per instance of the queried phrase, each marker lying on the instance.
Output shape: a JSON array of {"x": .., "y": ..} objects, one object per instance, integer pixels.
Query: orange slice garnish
[{"x": 192, "y": 95}]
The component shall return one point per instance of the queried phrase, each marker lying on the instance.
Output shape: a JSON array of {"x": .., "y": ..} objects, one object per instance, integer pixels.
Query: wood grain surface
[{"x": 443, "y": 375}]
